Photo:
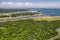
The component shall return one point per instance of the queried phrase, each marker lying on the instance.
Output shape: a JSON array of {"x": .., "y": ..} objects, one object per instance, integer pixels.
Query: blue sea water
[{"x": 55, "y": 12}]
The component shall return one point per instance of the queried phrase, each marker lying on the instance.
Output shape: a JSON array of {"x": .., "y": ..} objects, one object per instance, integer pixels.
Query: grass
[
  {"x": 58, "y": 38},
  {"x": 3, "y": 16},
  {"x": 28, "y": 30},
  {"x": 48, "y": 18}
]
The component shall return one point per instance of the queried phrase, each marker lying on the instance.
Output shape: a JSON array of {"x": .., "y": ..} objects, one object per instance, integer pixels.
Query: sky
[{"x": 29, "y": 3}]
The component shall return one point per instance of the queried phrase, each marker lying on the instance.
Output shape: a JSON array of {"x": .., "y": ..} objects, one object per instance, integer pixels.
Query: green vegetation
[
  {"x": 23, "y": 14},
  {"x": 28, "y": 30},
  {"x": 3, "y": 16}
]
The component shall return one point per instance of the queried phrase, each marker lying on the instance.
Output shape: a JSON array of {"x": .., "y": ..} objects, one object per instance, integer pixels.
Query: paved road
[{"x": 15, "y": 18}]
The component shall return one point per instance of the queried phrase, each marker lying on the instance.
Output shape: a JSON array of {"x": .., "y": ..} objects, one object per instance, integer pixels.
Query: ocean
[{"x": 55, "y": 12}]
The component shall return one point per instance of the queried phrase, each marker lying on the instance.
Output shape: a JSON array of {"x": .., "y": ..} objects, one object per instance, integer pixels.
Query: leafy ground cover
[{"x": 28, "y": 30}]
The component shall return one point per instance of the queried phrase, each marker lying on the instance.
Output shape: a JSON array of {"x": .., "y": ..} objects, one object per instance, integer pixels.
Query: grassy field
[
  {"x": 28, "y": 30},
  {"x": 48, "y": 18}
]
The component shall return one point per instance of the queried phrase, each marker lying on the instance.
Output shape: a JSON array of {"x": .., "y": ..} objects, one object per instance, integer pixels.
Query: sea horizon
[{"x": 52, "y": 11}]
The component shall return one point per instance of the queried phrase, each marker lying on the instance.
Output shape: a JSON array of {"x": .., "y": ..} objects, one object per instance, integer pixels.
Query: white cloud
[
  {"x": 15, "y": 4},
  {"x": 31, "y": 5}
]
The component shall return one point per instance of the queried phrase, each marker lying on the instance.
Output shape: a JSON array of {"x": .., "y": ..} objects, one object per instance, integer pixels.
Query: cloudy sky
[{"x": 29, "y": 3}]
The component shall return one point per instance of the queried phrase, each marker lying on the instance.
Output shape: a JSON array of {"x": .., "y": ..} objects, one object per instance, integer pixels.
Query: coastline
[{"x": 37, "y": 16}]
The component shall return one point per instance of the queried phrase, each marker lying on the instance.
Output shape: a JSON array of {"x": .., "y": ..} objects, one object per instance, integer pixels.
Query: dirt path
[{"x": 58, "y": 30}]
